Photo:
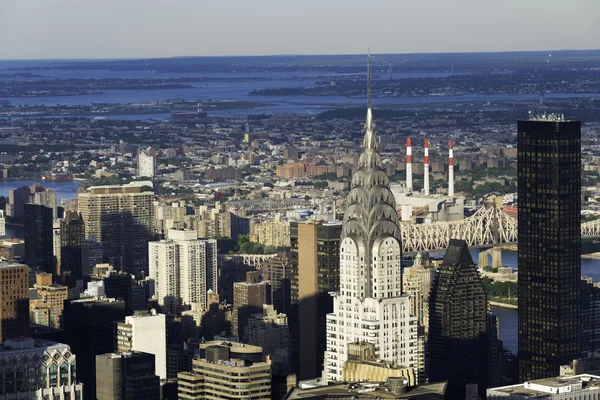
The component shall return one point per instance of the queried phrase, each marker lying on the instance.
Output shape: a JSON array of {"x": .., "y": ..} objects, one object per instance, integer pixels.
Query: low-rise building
[
  {"x": 219, "y": 376},
  {"x": 578, "y": 387}
]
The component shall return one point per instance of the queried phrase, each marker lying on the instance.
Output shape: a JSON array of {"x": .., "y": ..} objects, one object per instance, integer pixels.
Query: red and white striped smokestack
[
  {"x": 451, "y": 170},
  {"x": 426, "y": 168},
  {"x": 409, "y": 180}
]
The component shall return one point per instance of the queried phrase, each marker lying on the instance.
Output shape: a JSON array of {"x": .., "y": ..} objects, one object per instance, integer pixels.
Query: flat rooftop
[{"x": 551, "y": 386}]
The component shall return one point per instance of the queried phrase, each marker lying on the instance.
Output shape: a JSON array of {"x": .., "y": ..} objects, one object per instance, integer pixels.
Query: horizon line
[{"x": 293, "y": 55}]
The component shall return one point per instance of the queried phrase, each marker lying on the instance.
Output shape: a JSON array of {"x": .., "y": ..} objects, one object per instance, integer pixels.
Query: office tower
[
  {"x": 147, "y": 163},
  {"x": 35, "y": 194},
  {"x": 458, "y": 323},
  {"x": 183, "y": 268},
  {"x": 14, "y": 301},
  {"x": 130, "y": 376},
  {"x": 549, "y": 254},
  {"x": 270, "y": 331},
  {"x": 17, "y": 198},
  {"x": 145, "y": 332},
  {"x": 369, "y": 305},
  {"x": 590, "y": 317},
  {"x": 72, "y": 235},
  {"x": 315, "y": 273},
  {"x": 56, "y": 243},
  {"x": 91, "y": 254},
  {"x": 89, "y": 328},
  {"x": 220, "y": 376},
  {"x": 122, "y": 219},
  {"x": 39, "y": 241},
  {"x": 248, "y": 299},
  {"x": 495, "y": 352},
  {"x": 417, "y": 282},
  {"x": 38, "y": 369},
  {"x": 118, "y": 285},
  {"x": 278, "y": 271},
  {"x": 47, "y": 308},
  {"x": 2, "y": 224}
]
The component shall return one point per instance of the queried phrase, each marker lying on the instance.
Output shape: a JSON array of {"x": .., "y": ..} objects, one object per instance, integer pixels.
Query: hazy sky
[{"x": 163, "y": 28}]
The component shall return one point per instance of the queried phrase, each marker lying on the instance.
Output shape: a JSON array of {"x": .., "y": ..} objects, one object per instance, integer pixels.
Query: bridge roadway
[{"x": 477, "y": 230}]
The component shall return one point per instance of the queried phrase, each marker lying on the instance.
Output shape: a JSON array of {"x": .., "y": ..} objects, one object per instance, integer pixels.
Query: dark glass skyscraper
[
  {"x": 549, "y": 180},
  {"x": 458, "y": 323},
  {"x": 39, "y": 242},
  {"x": 72, "y": 235}
]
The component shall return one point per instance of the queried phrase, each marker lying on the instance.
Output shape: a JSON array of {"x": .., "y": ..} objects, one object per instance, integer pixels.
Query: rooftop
[
  {"x": 28, "y": 344},
  {"x": 543, "y": 387},
  {"x": 9, "y": 264}
]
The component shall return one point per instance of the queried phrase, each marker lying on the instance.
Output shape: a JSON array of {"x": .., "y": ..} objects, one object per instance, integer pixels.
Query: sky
[{"x": 54, "y": 29}]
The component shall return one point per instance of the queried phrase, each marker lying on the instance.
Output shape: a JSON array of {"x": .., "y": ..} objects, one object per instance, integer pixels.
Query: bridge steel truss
[{"x": 476, "y": 230}]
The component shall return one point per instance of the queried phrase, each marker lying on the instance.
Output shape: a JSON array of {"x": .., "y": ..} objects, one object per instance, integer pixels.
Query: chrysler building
[{"x": 370, "y": 306}]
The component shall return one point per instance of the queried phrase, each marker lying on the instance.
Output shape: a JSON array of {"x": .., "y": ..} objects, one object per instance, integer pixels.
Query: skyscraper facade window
[{"x": 549, "y": 189}]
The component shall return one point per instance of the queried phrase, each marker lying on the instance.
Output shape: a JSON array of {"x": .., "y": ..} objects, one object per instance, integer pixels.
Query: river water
[{"x": 239, "y": 90}]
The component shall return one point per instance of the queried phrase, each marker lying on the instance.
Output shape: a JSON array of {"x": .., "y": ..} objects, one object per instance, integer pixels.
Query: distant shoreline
[{"x": 504, "y": 305}]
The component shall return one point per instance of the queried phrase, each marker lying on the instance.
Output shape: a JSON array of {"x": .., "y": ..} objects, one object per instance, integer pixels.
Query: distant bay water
[{"x": 238, "y": 89}]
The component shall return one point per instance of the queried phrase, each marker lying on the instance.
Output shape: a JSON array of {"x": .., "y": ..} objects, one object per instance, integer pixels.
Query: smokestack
[
  {"x": 409, "y": 182},
  {"x": 451, "y": 171},
  {"x": 426, "y": 168}
]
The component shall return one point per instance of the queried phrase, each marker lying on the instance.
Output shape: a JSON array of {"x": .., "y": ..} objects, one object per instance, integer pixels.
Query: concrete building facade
[
  {"x": 121, "y": 218},
  {"x": 183, "y": 269},
  {"x": 146, "y": 333}
]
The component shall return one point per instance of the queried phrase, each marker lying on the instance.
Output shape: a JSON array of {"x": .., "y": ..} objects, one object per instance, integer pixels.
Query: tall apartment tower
[
  {"x": 549, "y": 254},
  {"x": 458, "y": 323},
  {"x": 315, "y": 273},
  {"x": 39, "y": 240},
  {"x": 121, "y": 376},
  {"x": 183, "y": 269},
  {"x": 248, "y": 298},
  {"x": 147, "y": 162},
  {"x": 14, "y": 301},
  {"x": 72, "y": 235},
  {"x": 369, "y": 306},
  {"x": 122, "y": 219}
]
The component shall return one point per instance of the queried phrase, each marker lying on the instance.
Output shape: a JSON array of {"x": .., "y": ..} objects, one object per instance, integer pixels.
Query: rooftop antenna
[{"x": 369, "y": 95}]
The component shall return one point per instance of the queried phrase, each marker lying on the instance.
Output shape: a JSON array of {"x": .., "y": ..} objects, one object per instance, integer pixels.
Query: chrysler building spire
[{"x": 370, "y": 142}]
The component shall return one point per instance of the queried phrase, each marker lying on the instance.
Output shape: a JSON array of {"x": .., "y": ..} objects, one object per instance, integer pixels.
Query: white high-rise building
[
  {"x": 370, "y": 306},
  {"x": 183, "y": 269},
  {"x": 147, "y": 333},
  {"x": 2, "y": 224},
  {"x": 147, "y": 162}
]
